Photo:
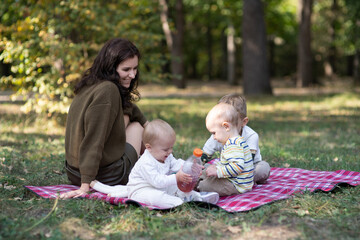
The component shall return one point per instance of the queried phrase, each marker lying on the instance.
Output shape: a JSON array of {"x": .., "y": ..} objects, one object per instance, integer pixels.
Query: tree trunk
[
  {"x": 356, "y": 73},
  {"x": 272, "y": 65},
  {"x": 224, "y": 57},
  {"x": 5, "y": 69},
  {"x": 255, "y": 64},
  {"x": 192, "y": 70},
  {"x": 357, "y": 68},
  {"x": 164, "y": 11},
  {"x": 209, "y": 41},
  {"x": 231, "y": 60},
  {"x": 304, "y": 71},
  {"x": 177, "y": 61},
  {"x": 174, "y": 40},
  {"x": 330, "y": 63}
]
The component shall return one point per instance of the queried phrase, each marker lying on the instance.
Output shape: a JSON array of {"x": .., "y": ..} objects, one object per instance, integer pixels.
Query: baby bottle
[{"x": 193, "y": 167}]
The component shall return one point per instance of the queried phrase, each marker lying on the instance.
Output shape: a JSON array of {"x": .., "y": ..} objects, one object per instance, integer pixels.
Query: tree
[
  {"x": 174, "y": 39},
  {"x": 281, "y": 29},
  {"x": 255, "y": 64},
  {"x": 50, "y": 43},
  {"x": 353, "y": 33},
  {"x": 205, "y": 38},
  {"x": 231, "y": 60},
  {"x": 305, "y": 58},
  {"x": 331, "y": 59},
  {"x": 326, "y": 20}
]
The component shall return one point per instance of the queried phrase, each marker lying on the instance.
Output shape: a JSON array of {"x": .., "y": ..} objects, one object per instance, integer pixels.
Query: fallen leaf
[
  {"x": 57, "y": 172},
  {"x": 234, "y": 229},
  {"x": 9, "y": 187}
]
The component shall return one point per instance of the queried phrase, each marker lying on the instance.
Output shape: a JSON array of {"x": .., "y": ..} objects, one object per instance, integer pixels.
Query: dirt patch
[
  {"x": 74, "y": 228},
  {"x": 270, "y": 233},
  {"x": 244, "y": 232}
]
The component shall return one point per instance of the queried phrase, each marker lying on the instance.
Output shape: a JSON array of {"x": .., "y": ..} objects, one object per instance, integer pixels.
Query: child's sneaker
[
  {"x": 189, "y": 196},
  {"x": 209, "y": 197}
]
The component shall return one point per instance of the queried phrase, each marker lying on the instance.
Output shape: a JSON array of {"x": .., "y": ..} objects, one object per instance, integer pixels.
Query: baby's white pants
[{"x": 164, "y": 198}]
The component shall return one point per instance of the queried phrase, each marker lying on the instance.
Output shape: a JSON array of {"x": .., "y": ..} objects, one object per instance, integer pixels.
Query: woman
[{"x": 104, "y": 128}]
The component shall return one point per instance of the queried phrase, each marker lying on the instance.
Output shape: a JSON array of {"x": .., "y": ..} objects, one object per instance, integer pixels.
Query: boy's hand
[
  {"x": 183, "y": 177},
  {"x": 197, "y": 168},
  {"x": 253, "y": 153},
  {"x": 201, "y": 168},
  {"x": 205, "y": 158},
  {"x": 211, "y": 171}
]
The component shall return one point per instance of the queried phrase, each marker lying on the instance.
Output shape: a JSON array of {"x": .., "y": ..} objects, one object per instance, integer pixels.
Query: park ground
[
  {"x": 281, "y": 87},
  {"x": 312, "y": 128}
]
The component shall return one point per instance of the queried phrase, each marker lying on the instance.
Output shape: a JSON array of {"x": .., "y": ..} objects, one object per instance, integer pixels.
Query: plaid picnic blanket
[{"x": 282, "y": 184}]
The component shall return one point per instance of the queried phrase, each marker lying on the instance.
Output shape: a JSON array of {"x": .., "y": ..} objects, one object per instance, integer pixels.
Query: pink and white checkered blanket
[{"x": 282, "y": 184}]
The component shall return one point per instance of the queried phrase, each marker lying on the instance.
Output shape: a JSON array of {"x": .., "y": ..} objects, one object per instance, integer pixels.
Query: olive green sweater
[{"x": 95, "y": 129}]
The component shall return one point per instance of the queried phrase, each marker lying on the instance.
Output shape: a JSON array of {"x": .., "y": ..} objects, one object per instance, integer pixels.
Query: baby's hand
[
  {"x": 211, "y": 171},
  {"x": 200, "y": 168},
  {"x": 183, "y": 177}
]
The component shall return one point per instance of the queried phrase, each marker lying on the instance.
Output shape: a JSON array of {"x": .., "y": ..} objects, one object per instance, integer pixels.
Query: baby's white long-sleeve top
[{"x": 149, "y": 172}]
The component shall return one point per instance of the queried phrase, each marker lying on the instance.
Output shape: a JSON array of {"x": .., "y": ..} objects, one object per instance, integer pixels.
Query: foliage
[
  {"x": 211, "y": 20},
  {"x": 352, "y": 30},
  {"x": 50, "y": 43},
  {"x": 280, "y": 18},
  {"x": 282, "y": 31},
  {"x": 335, "y": 32},
  {"x": 317, "y": 132}
]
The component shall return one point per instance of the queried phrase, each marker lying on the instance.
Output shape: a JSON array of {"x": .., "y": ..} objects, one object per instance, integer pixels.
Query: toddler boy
[
  {"x": 262, "y": 168},
  {"x": 234, "y": 173}
]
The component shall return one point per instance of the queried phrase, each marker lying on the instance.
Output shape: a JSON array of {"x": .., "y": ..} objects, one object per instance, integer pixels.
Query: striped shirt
[{"x": 236, "y": 164}]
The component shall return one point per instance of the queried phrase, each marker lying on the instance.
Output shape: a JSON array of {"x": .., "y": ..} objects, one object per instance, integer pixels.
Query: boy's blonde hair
[
  {"x": 224, "y": 112},
  {"x": 157, "y": 129},
  {"x": 236, "y": 100}
]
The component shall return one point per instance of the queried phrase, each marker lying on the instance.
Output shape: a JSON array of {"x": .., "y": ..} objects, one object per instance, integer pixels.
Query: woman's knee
[
  {"x": 134, "y": 133},
  {"x": 135, "y": 126},
  {"x": 126, "y": 120}
]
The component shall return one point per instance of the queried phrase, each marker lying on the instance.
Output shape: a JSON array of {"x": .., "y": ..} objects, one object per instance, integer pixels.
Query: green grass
[{"x": 311, "y": 132}]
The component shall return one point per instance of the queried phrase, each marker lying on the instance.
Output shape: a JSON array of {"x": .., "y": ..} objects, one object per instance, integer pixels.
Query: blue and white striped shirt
[{"x": 236, "y": 164}]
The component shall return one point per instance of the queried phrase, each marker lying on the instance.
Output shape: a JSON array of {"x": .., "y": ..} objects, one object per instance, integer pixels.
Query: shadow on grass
[{"x": 26, "y": 136}]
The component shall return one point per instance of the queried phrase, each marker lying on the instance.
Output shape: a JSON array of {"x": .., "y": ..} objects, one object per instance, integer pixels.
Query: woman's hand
[
  {"x": 84, "y": 188},
  {"x": 211, "y": 171}
]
